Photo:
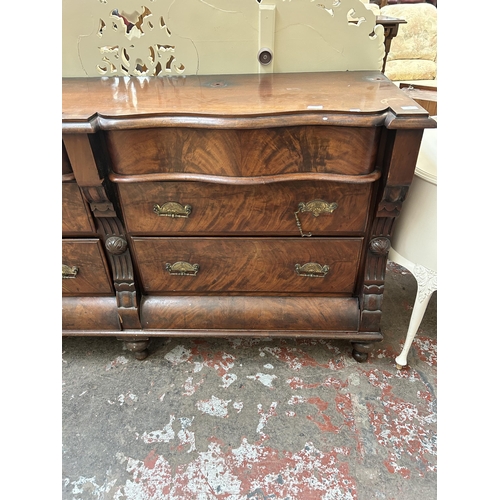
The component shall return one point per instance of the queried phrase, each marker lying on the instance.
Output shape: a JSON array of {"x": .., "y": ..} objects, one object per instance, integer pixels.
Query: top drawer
[{"x": 244, "y": 152}]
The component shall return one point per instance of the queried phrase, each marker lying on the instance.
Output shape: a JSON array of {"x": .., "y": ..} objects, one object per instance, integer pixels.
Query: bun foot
[
  {"x": 360, "y": 351},
  {"x": 138, "y": 347}
]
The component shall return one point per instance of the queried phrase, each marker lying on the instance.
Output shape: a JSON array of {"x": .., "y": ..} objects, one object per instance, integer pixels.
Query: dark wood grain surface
[
  {"x": 247, "y": 264},
  {"x": 258, "y": 316},
  {"x": 76, "y": 217},
  {"x": 93, "y": 275},
  {"x": 351, "y": 93},
  {"x": 345, "y": 150},
  {"x": 255, "y": 209},
  {"x": 90, "y": 313}
]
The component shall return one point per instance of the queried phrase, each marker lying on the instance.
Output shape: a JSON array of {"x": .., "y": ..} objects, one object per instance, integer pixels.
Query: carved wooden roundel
[{"x": 116, "y": 245}]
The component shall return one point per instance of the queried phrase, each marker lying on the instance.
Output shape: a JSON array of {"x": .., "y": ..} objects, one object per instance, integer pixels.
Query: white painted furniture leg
[
  {"x": 426, "y": 286},
  {"x": 416, "y": 318}
]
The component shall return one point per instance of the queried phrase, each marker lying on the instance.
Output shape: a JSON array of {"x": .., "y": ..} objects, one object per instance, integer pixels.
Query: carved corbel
[
  {"x": 98, "y": 201},
  {"x": 392, "y": 200}
]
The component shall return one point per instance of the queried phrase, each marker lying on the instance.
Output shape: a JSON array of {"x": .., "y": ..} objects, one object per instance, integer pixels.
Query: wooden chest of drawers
[{"x": 245, "y": 205}]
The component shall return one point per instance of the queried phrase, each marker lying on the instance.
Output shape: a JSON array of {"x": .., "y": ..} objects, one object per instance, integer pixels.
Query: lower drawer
[
  {"x": 85, "y": 271},
  {"x": 246, "y": 265},
  {"x": 223, "y": 316},
  {"x": 89, "y": 314}
]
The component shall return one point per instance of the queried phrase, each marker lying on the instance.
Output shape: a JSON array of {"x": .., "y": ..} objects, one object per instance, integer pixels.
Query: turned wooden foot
[
  {"x": 360, "y": 351},
  {"x": 138, "y": 347}
]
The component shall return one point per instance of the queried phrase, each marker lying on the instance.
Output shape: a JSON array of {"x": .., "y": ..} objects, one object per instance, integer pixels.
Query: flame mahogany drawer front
[
  {"x": 196, "y": 208},
  {"x": 246, "y": 265},
  {"x": 85, "y": 271},
  {"x": 269, "y": 151},
  {"x": 75, "y": 216}
]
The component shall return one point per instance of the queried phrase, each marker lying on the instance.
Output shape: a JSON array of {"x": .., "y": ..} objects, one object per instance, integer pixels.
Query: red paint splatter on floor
[
  {"x": 403, "y": 427},
  {"x": 298, "y": 383},
  {"x": 321, "y": 419},
  {"x": 296, "y": 359},
  {"x": 426, "y": 350},
  {"x": 248, "y": 471}
]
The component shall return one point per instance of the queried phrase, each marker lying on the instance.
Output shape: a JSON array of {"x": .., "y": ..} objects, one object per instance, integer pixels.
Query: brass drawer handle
[
  {"x": 172, "y": 209},
  {"x": 69, "y": 272},
  {"x": 316, "y": 207},
  {"x": 312, "y": 270},
  {"x": 182, "y": 269}
]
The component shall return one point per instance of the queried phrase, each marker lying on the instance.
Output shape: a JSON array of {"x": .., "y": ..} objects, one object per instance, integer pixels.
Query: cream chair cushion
[{"x": 413, "y": 54}]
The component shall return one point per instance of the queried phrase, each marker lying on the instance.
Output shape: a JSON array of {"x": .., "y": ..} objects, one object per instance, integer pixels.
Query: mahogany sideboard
[{"x": 232, "y": 205}]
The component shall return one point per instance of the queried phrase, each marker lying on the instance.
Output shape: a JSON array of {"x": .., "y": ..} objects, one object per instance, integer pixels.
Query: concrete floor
[{"x": 259, "y": 419}]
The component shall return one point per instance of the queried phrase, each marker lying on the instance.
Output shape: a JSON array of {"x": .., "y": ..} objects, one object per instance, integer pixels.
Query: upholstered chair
[{"x": 413, "y": 54}]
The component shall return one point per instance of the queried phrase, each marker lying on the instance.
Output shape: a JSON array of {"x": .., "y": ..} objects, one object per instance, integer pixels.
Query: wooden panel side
[
  {"x": 403, "y": 157},
  {"x": 82, "y": 159}
]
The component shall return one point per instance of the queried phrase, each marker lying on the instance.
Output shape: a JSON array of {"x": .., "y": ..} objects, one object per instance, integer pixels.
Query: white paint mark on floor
[
  {"x": 227, "y": 380},
  {"x": 179, "y": 354},
  {"x": 294, "y": 400},
  {"x": 214, "y": 406},
  {"x": 190, "y": 388},
  {"x": 263, "y": 378},
  {"x": 198, "y": 367},
  {"x": 209, "y": 477},
  {"x": 186, "y": 437},
  {"x": 161, "y": 436},
  {"x": 264, "y": 417},
  {"x": 86, "y": 483}
]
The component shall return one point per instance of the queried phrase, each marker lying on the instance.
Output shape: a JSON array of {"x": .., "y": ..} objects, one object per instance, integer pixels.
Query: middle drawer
[
  {"x": 198, "y": 208},
  {"x": 260, "y": 265}
]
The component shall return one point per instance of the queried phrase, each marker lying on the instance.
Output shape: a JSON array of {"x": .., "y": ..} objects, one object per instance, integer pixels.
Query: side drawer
[
  {"x": 86, "y": 268},
  {"x": 244, "y": 152},
  {"x": 76, "y": 216},
  {"x": 198, "y": 208},
  {"x": 245, "y": 265}
]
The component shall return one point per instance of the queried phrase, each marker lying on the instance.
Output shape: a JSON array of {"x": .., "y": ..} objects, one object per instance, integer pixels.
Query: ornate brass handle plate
[
  {"x": 316, "y": 207},
  {"x": 182, "y": 269},
  {"x": 312, "y": 270},
  {"x": 69, "y": 272},
  {"x": 172, "y": 209}
]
